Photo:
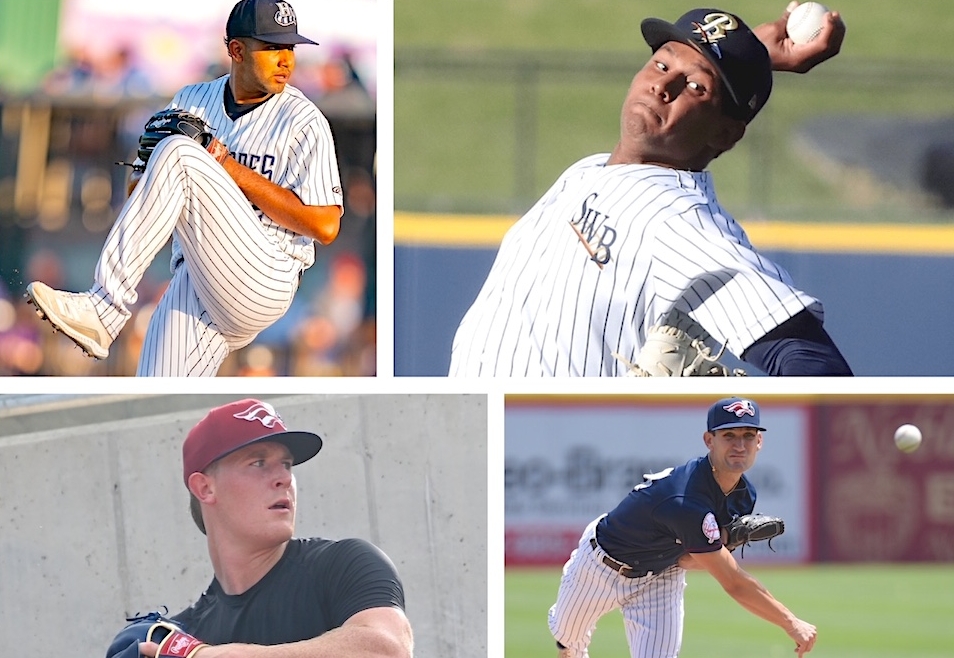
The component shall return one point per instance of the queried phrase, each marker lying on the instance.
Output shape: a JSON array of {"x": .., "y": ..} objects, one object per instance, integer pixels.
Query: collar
[{"x": 741, "y": 485}]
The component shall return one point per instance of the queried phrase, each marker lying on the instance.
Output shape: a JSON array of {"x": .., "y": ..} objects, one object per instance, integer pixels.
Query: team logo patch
[
  {"x": 285, "y": 15},
  {"x": 710, "y": 528},
  {"x": 741, "y": 408},
  {"x": 263, "y": 413}
]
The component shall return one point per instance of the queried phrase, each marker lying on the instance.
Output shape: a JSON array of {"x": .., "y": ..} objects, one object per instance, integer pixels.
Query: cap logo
[
  {"x": 285, "y": 15},
  {"x": 263, "y": 413},
  {"x": 716, "y": 26},
  {"x": 741, "y": 408}
]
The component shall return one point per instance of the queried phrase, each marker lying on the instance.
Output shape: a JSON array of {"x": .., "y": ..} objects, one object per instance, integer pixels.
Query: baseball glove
[
  {"x": 743, "y": 530},
  {"x": 166, "y": 123},
  {"x": 154, "y": 627},
  {"x": 672, "y": 352}
]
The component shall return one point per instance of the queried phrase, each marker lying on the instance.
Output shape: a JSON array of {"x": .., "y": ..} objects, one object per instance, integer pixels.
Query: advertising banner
[
  {"x": 568, "y": 460},
  {"x": 877, "y": 503}
]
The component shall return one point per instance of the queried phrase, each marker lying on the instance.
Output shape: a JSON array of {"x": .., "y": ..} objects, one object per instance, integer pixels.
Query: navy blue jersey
[{"x": 672, "y": 512}]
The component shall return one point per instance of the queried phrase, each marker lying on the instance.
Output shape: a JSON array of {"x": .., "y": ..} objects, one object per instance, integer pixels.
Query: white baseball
[
  {"x": 806, "y": 21},
  {"x": 907, "y": 438}
]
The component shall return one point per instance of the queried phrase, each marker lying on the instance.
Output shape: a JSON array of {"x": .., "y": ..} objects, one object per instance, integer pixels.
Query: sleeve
[
  {"x": 704, "y": 265},
  {"x": 696, "y": 527},
  {"x": 799, "y": 346},
  {"x": 361, "y": 576},
  {"x": 313, "y": 167}
]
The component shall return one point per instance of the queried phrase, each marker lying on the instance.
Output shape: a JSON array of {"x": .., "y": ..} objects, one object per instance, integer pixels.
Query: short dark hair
[{"x": 195, "y": 507}]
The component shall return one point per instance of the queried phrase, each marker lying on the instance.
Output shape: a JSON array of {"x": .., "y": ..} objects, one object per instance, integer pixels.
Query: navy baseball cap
[
  {"x": 739, "y": 56},
  {"x": 265, "y": 20},
  {"x": 238, "y": 424},
  {"x": 733, "y": 412}
]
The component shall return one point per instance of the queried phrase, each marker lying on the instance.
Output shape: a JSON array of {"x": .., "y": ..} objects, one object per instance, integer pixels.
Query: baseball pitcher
[
  {"x": 241, "y": 173},
  {"x": 272, "y": 593},
  {"x": 629, "y": 264},
  {"x": 688, "y": 517}
]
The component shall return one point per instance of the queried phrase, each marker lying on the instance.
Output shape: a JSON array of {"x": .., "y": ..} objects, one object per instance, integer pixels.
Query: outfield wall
[
  {"x": 94, "y": 520},
  {"x": 886, "y": 289},
  {"x": 874, "y": 502},
  {"x": 828, "y": 466},
  {"x": 568, "y": 461}
]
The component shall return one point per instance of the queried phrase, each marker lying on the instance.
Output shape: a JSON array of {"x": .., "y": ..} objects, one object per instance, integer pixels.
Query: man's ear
[
  {"x": 707, "y": 438},
  {"x": 202, "y": 487},
  {"x": 236, "y": 50}
]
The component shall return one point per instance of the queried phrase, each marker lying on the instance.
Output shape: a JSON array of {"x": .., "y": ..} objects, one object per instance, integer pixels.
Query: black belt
[{"x": 623, "y": 569}]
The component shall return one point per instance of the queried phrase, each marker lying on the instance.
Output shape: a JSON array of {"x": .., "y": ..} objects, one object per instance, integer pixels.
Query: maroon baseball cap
[{"x": 237, "y": 424}]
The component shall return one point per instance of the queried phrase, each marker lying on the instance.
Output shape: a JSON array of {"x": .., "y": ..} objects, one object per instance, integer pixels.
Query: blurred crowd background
[{"x": 78, "y": 79}]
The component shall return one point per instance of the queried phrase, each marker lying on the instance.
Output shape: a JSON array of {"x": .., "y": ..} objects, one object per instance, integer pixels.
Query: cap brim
[
  {"x": 656, "y": 32},
  {"x": 283, "y": 38},
  {"x": 726, "y": 426},
  {"x": 302, "y": 445}
]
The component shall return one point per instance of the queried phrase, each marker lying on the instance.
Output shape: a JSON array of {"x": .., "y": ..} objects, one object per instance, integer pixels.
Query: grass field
[
  {"x": 881, "y": 611},
  {"x": 462, "y": 144},
  {"x": 877, "y": 28}
]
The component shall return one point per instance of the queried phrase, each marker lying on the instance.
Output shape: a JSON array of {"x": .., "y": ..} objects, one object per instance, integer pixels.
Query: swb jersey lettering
[
  {"x": 607, "y": 253},
  {"x": 286, "y": 139}
]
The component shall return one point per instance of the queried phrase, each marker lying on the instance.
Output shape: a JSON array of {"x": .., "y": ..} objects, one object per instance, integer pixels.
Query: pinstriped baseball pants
[
  {"x": 234, "y": 281},
  {"x": 652, "y": 606}
]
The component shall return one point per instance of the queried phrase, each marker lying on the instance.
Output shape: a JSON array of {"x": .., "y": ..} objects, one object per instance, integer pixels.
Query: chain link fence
[{"x": 489, "y": 131}]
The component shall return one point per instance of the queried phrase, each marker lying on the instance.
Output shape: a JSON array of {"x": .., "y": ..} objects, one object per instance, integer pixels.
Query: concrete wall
[{"x": 94, "y": 520}]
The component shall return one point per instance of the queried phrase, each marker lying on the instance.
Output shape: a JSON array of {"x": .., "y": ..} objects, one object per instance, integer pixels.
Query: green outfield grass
[
  {"x": 882, "y": 611},
  {"x": 455, "y": 139}
]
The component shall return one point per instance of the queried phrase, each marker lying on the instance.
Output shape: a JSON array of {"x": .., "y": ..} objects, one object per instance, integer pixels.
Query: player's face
[
  {"x": 255, "y": 492},
  {"x": 672, "y": 115},
  {"x": 734, "y": 449},
  {"x": 264, "y": 68}
]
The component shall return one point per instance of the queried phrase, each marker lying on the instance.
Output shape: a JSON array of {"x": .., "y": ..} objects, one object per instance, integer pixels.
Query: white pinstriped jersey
[
  {"x": 235, "y": 270},
  {"x": 286, "y": 139},
  {"x": 605, "y": 254}
]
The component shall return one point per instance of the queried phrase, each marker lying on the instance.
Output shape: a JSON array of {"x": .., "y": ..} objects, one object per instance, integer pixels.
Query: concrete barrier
[{"x": 94, "y": 520}]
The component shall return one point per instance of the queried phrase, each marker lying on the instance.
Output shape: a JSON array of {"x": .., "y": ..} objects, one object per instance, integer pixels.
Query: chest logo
[{"x": 591, "y": 230}]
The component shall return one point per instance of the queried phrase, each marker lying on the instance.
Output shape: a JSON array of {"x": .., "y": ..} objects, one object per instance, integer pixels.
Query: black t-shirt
[
  {"x": 315, "y": 587},
  {"x": 675, "y": 511}
]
